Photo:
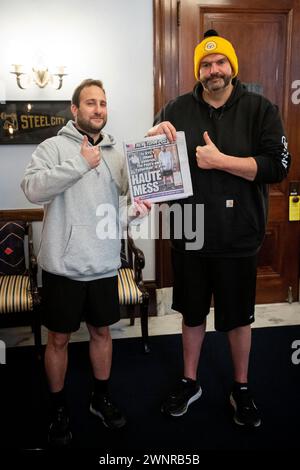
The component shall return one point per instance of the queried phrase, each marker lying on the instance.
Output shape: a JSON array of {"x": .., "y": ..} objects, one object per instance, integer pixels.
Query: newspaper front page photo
[{"x": 158, "y": 169}]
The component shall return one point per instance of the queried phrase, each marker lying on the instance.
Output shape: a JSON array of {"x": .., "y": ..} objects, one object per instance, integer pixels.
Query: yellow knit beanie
[{"x": 215, "y": 45}]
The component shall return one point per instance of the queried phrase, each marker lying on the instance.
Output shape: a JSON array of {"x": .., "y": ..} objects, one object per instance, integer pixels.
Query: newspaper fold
[{"x": 158, "y": 170}]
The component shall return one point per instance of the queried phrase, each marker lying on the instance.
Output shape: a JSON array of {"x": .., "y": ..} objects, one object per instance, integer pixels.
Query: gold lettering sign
[{"x": 23, "y": 122}]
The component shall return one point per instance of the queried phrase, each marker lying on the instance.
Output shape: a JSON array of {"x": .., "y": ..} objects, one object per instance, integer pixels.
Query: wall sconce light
[{"x": 40, "y": 75}]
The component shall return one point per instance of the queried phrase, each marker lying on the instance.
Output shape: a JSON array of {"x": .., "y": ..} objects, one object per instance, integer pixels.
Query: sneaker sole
[
  {"x": 99, "y": 415},
  {"x": 182, "y": 412},
  {"x": 240, "y": 423}
]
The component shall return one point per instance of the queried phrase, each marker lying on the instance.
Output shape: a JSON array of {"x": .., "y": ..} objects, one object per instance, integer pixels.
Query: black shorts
[
  {"x": 231, "y": 282},
  {"x": 65, "y": 302},
  {"x": 167, "y": 173}
]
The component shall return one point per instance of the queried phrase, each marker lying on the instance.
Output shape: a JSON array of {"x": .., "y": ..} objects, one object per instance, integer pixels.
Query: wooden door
[{"x": 266, "y": 39}]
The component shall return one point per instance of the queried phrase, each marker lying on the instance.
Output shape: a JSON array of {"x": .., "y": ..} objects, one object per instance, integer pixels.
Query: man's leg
[
  {"x": 245, "y": 411},
  {"x": 101, "y": 358},
  {"x": 56, "y": 361},
  {"x": 192, "y": 339},
  {"x": 234, "y": 298},
  {"x": 240, "y": 345},
  {"x": 187, "y": 390},
  {"x": 192, "y": 297},
  {"x": 100, "y": 351}
]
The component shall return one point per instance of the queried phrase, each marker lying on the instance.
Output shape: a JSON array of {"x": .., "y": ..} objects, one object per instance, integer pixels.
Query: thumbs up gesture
[
  {"x": 208, "y": 156},
  {"x": 90, "y": 153}
]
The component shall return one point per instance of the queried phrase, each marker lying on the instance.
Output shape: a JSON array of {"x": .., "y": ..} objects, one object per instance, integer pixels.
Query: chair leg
[
  {"x": 144, "y": 325},
  {"x": 37, "y": 333},
  {"x": 131, "y": 310}
]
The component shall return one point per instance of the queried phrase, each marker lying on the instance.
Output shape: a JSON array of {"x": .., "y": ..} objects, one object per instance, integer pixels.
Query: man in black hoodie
[{"x": 236, "y": 146}]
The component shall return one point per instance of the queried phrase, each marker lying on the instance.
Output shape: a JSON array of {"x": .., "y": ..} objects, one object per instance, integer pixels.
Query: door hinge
[
  {"x": 290, "y": 295},
  {"x": 178, "y": 13}
]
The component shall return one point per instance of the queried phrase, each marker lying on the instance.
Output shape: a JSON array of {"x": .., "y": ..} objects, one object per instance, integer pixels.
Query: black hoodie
[{"x": 235, "y": 209}]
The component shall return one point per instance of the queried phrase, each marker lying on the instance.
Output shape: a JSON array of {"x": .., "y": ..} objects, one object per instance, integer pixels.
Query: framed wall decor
[{"x": 31, "y": 122}]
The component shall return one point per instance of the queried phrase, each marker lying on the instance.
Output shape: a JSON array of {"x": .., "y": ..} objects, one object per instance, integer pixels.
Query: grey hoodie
[{"x": 61, "y": 179}]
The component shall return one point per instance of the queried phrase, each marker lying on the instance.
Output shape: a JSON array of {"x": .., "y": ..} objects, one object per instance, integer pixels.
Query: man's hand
[
  {"x": 208, "y": 156},
  {"x": 91, "y": 154},
  {"x": 139, "y": 209},
  {"x": 164, "y": 127}
]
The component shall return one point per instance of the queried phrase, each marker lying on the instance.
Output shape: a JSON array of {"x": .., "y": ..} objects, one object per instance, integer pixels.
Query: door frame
[{"x": 166, "y": 17}]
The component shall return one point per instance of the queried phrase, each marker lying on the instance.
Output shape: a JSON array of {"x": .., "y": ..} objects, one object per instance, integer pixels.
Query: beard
[
  {"x": 89, "y": 126},
  {"x": 210, "y": 84}
]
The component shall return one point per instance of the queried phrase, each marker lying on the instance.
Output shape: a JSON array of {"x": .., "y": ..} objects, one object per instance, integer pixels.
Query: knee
[
  {"x": 100, "y": 333},
  {"x": 58, "y": 341}
]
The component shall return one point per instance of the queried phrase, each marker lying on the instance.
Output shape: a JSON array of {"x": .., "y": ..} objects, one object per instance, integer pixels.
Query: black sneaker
[
  {"x": 179, "y": 400},
  {"x": 102, "y": 407},
  {"x": 59, "y": 433},
  {"x": 245, "y": 410}
]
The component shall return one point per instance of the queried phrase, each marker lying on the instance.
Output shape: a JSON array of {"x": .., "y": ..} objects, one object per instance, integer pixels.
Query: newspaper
[{"x": 158, "y": 169}]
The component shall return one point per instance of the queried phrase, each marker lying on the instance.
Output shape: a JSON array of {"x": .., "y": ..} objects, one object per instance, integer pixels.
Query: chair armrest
[
  {"x": 138, "y": 262},
  {"x": 31, "y": 254},
  {"x": 139, "y": 257},
  {"x": 33, "y": 268}
]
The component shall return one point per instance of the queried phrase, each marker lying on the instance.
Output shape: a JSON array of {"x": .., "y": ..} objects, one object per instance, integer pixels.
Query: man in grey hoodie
[{"x": 73, "y": 175}]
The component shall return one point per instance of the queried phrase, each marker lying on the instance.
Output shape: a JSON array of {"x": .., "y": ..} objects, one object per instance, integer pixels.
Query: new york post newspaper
[{"x": 158, "y": 170}]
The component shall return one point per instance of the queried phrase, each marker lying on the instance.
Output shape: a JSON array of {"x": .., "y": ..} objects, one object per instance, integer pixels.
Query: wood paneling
[{"x": 166, "y": 70}]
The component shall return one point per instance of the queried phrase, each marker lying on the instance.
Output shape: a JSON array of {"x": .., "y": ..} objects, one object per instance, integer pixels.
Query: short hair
[{"x": 86, "y": 83}]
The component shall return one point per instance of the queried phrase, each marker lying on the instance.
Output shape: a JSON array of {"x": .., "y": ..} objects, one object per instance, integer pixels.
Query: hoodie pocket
[
  {"x": 86, "y": 255},
  {"x": 249, "y": 231},
  {"x": 243, "y": 229},
  {"x": 229, "y": 226}
]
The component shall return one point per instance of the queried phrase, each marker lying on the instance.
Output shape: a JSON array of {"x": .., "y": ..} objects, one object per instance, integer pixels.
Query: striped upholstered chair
[
  {"x": 132, "y": 292},
  {"x": 19, "y": 296}
]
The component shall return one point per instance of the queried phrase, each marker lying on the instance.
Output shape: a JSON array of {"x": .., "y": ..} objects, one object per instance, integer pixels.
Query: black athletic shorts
[
  {"x": 167, "y": 173},
  {"x": 231, "y": 282},
  {"x": 65, "y": 302}
]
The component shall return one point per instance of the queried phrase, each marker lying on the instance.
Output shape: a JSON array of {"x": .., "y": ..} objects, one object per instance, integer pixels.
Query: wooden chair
[
  {"x": 19, "y": 295},
  {"x": 132, "y": 292}
]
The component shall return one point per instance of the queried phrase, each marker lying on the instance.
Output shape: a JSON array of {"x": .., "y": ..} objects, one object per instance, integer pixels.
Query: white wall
[{"x": 107, "y": 39}]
